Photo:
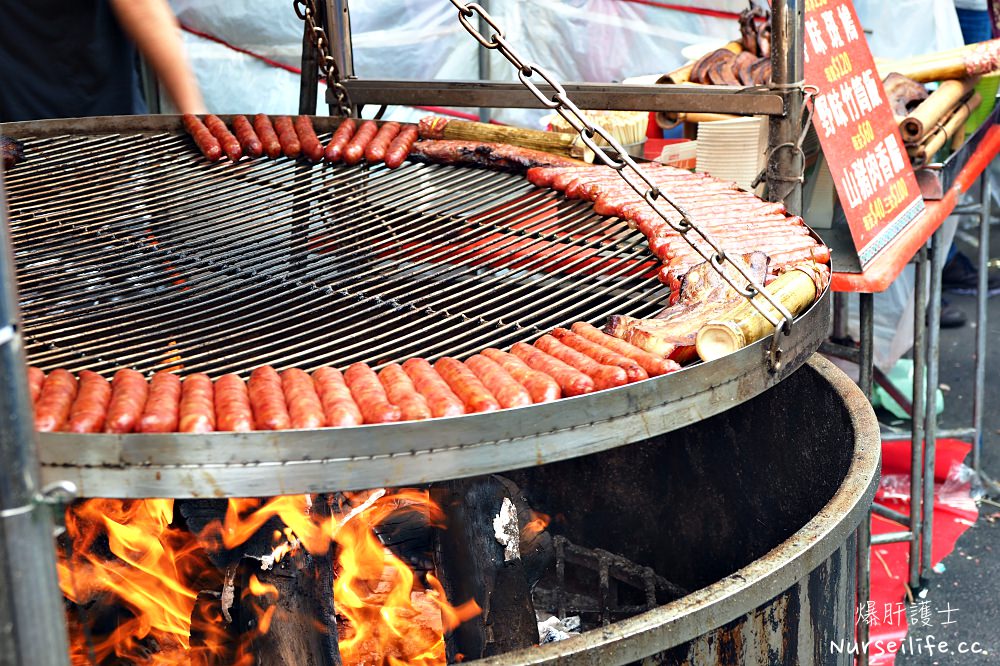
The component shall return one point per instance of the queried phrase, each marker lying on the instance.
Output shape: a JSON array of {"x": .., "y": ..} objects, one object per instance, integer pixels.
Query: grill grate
[{"x": 131, "y": 251}]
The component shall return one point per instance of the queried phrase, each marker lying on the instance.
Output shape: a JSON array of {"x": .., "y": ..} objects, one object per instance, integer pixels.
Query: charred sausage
[
  {"x": 400, "y": 147},
  {"x": 377, "y": 147},
  {"x": 466, "y": 385},
  {"x": 604, "y": 376},
  {"x": 339, "y": 407},
  {"x": 540, "y": 386},
  {"x": 335, "y": 149},
  {"x": 162, "y": 408},
  {"x": 506, "y": 389},
  {"x": 633, "y": 371},
  {"x": 268, "y": 137},
  {"x": 267, "y": 399},
  {"x": 312, "y": 149},
  {"x": 652, "y": 364},
  {"x": 35, "y": 380},
  {"x": 356, "y": 147},
  {"x": 287, "y": 136},
  {"x": 197, "y": 408},
  {"x": 370, "y": 396},
  {"x": 207, "y": 144},
  {"x": 233, "y": 411},
  {"x": 230, "y": 145},
  {"x": 55, "y": 401},
  {"x": 440, "y": 398},
  {"x": 245, "y": 134}
]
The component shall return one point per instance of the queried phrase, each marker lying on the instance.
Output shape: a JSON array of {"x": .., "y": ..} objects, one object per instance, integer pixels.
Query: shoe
[
  {"x": 961, "y": 276},
  {"x": 951, "y": 317}
]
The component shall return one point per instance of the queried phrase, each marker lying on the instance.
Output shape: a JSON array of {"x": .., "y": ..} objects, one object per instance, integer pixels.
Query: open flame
[{"x": 135, "y": 580}]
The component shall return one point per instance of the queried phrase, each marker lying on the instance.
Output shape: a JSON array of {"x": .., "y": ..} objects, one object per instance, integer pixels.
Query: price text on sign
[{"x": 860, "y": 139}]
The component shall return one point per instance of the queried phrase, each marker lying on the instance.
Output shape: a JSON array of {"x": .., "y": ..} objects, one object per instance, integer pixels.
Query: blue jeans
[{"x": 975, "y": 25}]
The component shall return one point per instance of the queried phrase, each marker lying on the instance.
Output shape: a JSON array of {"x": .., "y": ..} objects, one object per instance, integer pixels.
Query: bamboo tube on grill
[
  {"x": 744, "y": 325},
  {"x": 960, "y": 63},
  {"x": 557, "y": 143},
  {"x": 916, "y": 126},
  {"x": 937, "y": 138}
]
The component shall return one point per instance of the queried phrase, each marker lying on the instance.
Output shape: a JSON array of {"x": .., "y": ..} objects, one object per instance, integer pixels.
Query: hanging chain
[
  {"x": 633, "y": 175},
  {"x": 306, "y": 10}
]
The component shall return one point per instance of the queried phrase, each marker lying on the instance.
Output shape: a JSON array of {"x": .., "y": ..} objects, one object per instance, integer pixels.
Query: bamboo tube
[
  {"x": 960, "y": 63},
  {"x": 671, "y": 119},
  {"x": 557, "y": 143},
  {"x": 683, "y": 74},
  {"x": 932, "y": 110},
  {"x": 744, "y": 325},
  {"x": 936, "y": 140}
]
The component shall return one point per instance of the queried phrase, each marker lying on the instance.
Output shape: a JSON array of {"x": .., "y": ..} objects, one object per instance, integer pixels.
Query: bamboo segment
[
  {"x": 938, "y": 137},
  {"x": 932, "y": 110},
  {"x": 960, "y": 63},
  {"x": 557, "y": 143},
  {"x": 744, "y": 325}
]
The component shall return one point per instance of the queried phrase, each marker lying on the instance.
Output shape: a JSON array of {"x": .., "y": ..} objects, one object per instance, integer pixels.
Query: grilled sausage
[
  {"x": 267, "y": 399},
  {"x": 207, "y": 144},
  {"x": 570, "y": 380},
  {"x": 604, "y": 376},
  {"x": 440, "y": 398},
  {"x": 232, "y": 404},
  {"x": 540, "y": 386},
  {"x": 91, "y": 405},
  {"x": 652, "y": 364},
  {"x": 287, "y": 136},
  {"x": 197, "y": 408},
  {"x": 304, "y": 406},
  {"x": 339, "y": 407},
  {"x": 400, "y": 147},
  {"x": 312, "y": 149},
  {"x": 633, "y": 371},
  {"x": 377, "y": 147},
  {"x": 162, "y": 408},
  {"x": 128, "y": 398},
  {"x": 335, "y": 149},
  {"x": 35, "y": 380},
  {"x": 55, "y": 400},
  {"x": 268, "y": 138},
  {"x": 355, "y": 149},
  {"x": 230, "y": 145},
  {"x": 370, "y": 396},
  {"x": 401, "y": 392},
  {"x": 466, "y": 385},
  {"x": 506, "y": 389},
  {"x": 245, "y": 134}
]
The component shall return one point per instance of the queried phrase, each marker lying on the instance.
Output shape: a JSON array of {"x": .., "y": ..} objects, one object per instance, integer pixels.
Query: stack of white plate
[{"x": 732, "y": 149}]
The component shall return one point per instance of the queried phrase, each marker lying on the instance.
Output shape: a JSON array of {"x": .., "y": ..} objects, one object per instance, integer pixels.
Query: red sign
[{"x": 860, "y": 138}]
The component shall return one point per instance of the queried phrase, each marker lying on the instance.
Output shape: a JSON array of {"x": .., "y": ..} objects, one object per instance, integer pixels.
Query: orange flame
[
  {"x": 154, "y": 572},
  {"x": 539, "y": 521}
]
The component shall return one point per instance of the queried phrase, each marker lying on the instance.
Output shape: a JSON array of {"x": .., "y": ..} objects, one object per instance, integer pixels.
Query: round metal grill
[{"x": 131, "y": 251}]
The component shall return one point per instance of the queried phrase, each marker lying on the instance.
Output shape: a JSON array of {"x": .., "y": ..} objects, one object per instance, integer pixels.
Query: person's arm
[{"x": 152, "y": 26}]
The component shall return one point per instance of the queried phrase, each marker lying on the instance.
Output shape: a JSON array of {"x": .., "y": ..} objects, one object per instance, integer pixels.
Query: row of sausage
[
  {"x": 562, "y": 363},
  {"x": 295, "y": 138}
]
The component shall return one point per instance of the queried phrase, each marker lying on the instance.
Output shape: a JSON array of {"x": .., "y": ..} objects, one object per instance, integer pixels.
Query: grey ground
[{"x": 971, "y": 579}]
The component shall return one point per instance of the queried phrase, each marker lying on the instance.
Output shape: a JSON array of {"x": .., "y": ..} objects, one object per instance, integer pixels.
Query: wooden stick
[
  {"x": 960, "y": 63},
  {"x": 744, "y": 325},
  {"x": 942, "y": 101}
]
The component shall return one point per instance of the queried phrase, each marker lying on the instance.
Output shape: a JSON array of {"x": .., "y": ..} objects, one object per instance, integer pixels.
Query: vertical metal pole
[
  {"x": 839, "y": 316},
  {"x": 981, "y": 320},
  {"x": 35, "y": 632},
  {"x": 309, "y": 77},
  {"x": 784, "y": 168},
  {"x": 918, "y": 412},
  {"x": 338, "y": 31},
  {"x": 930, "y": 418},
  {"x": 867, "y": 356},
  {"x": 484, "y": 59}
]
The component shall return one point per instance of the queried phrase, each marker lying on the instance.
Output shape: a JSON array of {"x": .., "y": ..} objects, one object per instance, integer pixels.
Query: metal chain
[
  {"x": 306, "y": 10},
  {"x": 637, "y": 180}
]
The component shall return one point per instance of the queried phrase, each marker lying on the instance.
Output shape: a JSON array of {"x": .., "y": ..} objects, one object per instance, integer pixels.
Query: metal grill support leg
[
  {"x": 930, "y": 417},
  {"x": 33, "y": 630},
  {"x": 917, "y": 420},
  {"x": 982, "y": 327}
]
